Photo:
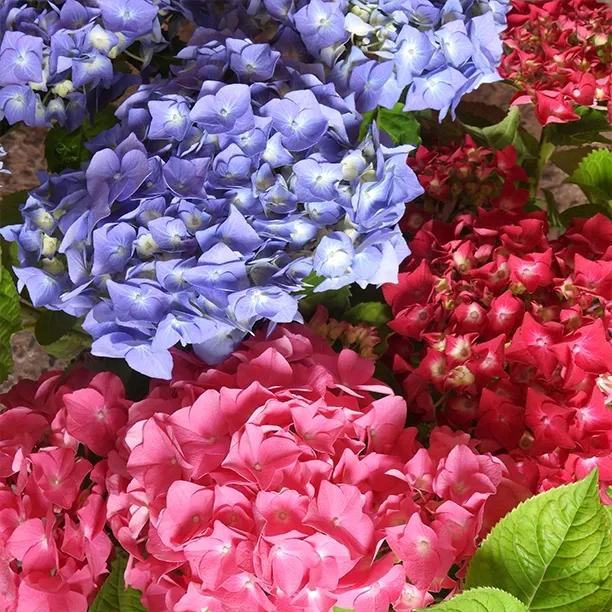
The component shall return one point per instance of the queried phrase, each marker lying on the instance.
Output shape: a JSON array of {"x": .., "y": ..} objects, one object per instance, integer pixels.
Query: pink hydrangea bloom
[
  {"x": 53, "y": 546},
  {"x": 285, "y": 479}
]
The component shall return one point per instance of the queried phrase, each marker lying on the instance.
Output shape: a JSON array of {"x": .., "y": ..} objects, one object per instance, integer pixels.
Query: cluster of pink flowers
[
  {"x": 277, "y": 481},
  {"x": 53, "y": 546},
  {"x": 506, "y": 334},
  {"x": 559, "y": 55},
  {"x": 283, "y": 479},
  {"x": 461, "y": 177}
]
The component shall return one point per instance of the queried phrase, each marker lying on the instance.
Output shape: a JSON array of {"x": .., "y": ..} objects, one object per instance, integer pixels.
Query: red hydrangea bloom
[
  {"x": 559, "y": 55},
  {"x": 457, "y": 178},
  {"x": 285, "y": 478},
  {"x": 506, "y": 334},
  {"x": 54, "y": 550}
]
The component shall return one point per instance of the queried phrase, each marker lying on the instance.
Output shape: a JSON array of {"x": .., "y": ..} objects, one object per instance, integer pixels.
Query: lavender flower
[
  {"x": 206, "y": 207},
  {"x": 426, "y": 53},
  {"x": 56, "y": 57}
]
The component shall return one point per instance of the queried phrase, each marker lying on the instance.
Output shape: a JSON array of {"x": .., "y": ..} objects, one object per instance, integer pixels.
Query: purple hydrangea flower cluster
[
  {"x": 56, "y": 56},
  {"x": 424, "y": 53},
  {"x": 208, "y": 207}
]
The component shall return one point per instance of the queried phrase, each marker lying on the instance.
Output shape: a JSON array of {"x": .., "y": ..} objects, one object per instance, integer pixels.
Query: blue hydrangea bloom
[
  {"x": 56, "y": 56},
  {"x": 206, "y": 208},
  {"x": 425, "y": 53}
]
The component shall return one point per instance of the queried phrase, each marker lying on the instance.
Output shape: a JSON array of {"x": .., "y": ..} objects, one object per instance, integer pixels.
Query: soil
[{"x": 25, "y": 157}]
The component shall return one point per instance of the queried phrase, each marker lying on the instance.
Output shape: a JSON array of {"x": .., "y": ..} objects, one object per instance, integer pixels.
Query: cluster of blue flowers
[
  {"x": 205, "y": 209},
  {"x": 426, "y": 54},
  {"x": 56, "y": 56}
]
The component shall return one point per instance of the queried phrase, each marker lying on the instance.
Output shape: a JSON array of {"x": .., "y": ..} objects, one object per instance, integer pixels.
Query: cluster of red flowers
[
  {"x": 458, "y": 178},
  {"x": 504, "y": 333},
  {"x": 53, "y": 546},
  {"x": 274, "y": 481},
  {"x": 559, "y": 55}
]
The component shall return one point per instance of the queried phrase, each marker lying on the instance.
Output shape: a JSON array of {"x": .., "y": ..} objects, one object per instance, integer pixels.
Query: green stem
[{"x": 545, "y": 149}]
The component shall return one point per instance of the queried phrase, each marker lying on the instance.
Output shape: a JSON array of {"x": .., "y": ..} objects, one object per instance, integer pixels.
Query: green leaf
[
  {"x": 478, "y": 114},
  {"x": 371, "y": 313},
  {"x": 402, "y": 127},
  {"x": 65, "y": 149},
  {"x": 554, "y": 218},
  {"x": 10, "y": 321},
  {"x": 113, "y": 596},
  {"x": 51, "y": 325},
  {"x": 9, "y": 207},
  {"x": 336, "y": 301},
  {"x": 481, "y": 600},
  {"x": 68, "y": 346},
  {"x": 584, "y": 211},
  {"x": 501, "y": 134},
  {"x": 585, "y": 131},
  {"x": 594, "y": 177},
  {"x": 553, "y": 552},
  {"x": 368, "y": 119},
  {"x": 58, "y": 333}
]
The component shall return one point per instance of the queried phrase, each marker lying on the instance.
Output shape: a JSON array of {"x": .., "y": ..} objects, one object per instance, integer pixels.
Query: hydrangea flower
[
  {"x": 54, "y": 546},
  {"x": 457, "y": 178},
  {"x": 427, "y": 54},
  {"x": 56, "y": 57},
  {"x": 211, "y": 205},
  {"x": 277, "y": 481},
  {"x": 505, "y": 334},
  {"x": 283, "y": 478},
  {"x": 559, "y": 56}
]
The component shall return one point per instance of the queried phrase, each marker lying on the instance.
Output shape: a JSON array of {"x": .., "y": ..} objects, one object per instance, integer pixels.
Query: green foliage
[
  {"x": 113, "y": 596},
  {"x": 370, "y": 313},
  {"x": 336, "y": 301},
  {"x": 401, "y": 127},
  {"x": 585, "y": 131},
  {"x": 485, "y": 599},
  {"x": 479, "y": 114},
  {"x": 505, "y": 132},
  {"x": 58, "y": 333},
  {"x": 584, "y": 211},
  {"x": 9, "y": 207},
  {"x": 10, "y": 321},
  {"x": 65, "y": 149},
  {"x": 51, "y": 325},
  {"x": 594, "y": 176},
  {"x": 553, "y": 552},
  {"x": 499, "y": 135}
]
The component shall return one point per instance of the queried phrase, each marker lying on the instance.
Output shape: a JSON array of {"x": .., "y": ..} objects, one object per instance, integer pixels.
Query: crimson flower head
[
  {"x": 505, "y": 333},
  {"x": 559, "y": 56}
]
